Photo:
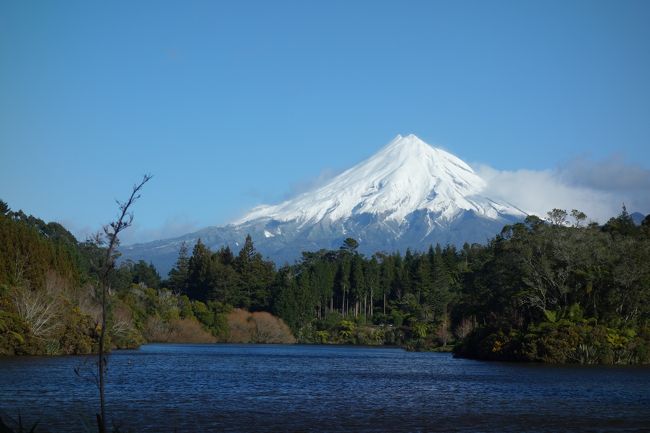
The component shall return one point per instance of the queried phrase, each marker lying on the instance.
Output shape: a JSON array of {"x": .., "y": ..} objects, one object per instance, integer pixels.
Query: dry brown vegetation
[
  {"x": 258, "y": 327},
  {"x": 176, "y": 331},
  {"x": 189, "y": 331}
]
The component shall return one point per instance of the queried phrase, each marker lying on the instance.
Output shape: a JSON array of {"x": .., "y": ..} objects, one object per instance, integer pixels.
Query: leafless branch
[
  {"x": 37, "y": 310},
  {"x": 112, "y": 231}
]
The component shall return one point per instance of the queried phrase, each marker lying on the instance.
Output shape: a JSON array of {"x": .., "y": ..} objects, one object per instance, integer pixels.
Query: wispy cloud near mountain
[
  {"x": 172, "y": 227},
  {"x": 598, "y": 188}
]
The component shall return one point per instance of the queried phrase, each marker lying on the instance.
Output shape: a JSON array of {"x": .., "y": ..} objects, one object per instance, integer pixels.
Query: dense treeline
[
  {"x": 552, "y": 291},
  {"x": 332, "y": 296},
  {"x": 243, "y": 280},
  {"x": 335, "y": 295},
  {"x": 41, "y": 267},
  {"x": 30, "y": 248},
  {"x": 50, "y": 303},
  {"x": 555, "y": 292}
]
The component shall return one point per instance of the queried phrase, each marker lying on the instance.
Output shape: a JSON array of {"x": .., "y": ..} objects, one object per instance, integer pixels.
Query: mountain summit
[
  {"x": 409, "y": 194},
  {"x": 405, "y": 176}
]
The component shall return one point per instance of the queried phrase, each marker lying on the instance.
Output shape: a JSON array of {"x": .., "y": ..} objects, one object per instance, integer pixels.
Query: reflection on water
[{"x": 259, "y": 388}]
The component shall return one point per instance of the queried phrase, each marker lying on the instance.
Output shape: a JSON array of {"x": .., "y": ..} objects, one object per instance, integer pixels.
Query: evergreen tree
[
  {"x": 439, "y": 296},
  {"x": 256, "y": 276},
  {"x": 357, "y": 283},
  {"x": 371, "y": 274},
  {"x": 145, "y": 274},
  {"x": 178, "y": 276},
  {"x": 386, "y": 277},
  {"x": 226, "y": 256},
  {"x": 199, "y": 274},
  {"x": 350, "y": 245},
  {"x": 623, "y": 224},
  {"x": 225, "y": 284},
  {"x": 342, "y": 283},
  {"x": 4, "y": 208}
]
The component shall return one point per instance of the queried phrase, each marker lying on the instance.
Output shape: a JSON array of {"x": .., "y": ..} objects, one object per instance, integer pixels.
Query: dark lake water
[{"x": 260, "y": 388}]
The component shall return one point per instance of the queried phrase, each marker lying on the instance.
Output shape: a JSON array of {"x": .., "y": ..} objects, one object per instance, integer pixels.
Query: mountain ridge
[{"x": 407, "y": 195}]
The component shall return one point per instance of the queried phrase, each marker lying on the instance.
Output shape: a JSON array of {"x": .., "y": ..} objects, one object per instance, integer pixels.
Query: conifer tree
[
  {"x": 179, "y": 274},
  {"x": 357, "y": 283},
  {"x": 342, "y": 283},
  {"x": 4, "y": 208},
  {"x": 199, "y": 275},
  {"x": 256, "y": 275}
]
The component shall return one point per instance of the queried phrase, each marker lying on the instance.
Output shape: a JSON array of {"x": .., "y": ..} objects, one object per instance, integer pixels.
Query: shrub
[{"x": 258, "y": 327}]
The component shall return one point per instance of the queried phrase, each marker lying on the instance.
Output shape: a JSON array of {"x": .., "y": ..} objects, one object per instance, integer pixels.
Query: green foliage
[
  {"x": 255, "y": 276},
  {"x": 179, "y": 274},
  {"x": 213, "y": 316},
  {"x": 244, "y": 281},
  {"x": 350, "y": 244},
  {"x": 4, "y": 208},
  {"x": 48, "y": 299},
  {"x": 561, "y": 342},
  {"x": 30, "y": 248},
  {"x": 14, "y": 334},
  {"x": 552, "y": 292}
]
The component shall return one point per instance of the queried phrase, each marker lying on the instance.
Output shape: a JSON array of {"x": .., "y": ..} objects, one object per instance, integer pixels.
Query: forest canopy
[{"x": 553, "y": 290}]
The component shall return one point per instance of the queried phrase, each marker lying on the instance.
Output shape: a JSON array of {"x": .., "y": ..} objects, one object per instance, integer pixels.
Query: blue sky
[{"x": 233, "y": 104}]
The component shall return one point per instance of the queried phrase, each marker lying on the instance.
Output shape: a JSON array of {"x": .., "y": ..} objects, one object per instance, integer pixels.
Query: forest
[{"x": 557, "y": 290}]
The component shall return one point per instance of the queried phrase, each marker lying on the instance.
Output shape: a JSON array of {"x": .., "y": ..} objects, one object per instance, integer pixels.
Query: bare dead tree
[
  {"x": 38, "y": 310},
  {"x": 443, "y": 332},
  {"x": 122, "y": 321},
  {"x": 465, "y": 327},
  {"x": 111, "y": 240}
]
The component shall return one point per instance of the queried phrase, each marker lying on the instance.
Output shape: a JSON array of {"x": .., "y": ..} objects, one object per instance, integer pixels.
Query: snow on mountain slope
[
  {"x": 407, "y": 195},
  {"x": 405, "y": 176}
]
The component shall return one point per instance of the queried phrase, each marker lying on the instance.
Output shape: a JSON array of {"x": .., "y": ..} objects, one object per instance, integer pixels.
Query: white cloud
[
  {"x": 297, "y": 188},
  {"x": 612, "y": 174},
  {"x": 81, "y": 232},
  {"x": 171, "y": 228},
  {"x": 597, "y": 188}
]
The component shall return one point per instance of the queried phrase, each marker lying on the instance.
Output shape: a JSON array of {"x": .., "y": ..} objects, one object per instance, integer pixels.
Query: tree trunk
[
  {"x": 112, "y": 232},
  {"x": 365, "y": 305},
  {"x": 101, "y": 366}
]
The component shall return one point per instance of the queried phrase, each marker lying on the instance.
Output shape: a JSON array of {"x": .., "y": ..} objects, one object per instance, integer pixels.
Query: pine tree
[
  {"x": 371, "y": 273},
  {"x": 145, "y": 274},
  {"x": 199, "y": 275},
  {"x": 179, "y": 273},
  {"x": 357, "y": 283},
  {"x": 342, "y": 283},
  {"x": 4, "y": 208},
  {"x": 225, "y": 284},
  {"x": 256, "y": 276},
  {"x": 441, "y": 282}
]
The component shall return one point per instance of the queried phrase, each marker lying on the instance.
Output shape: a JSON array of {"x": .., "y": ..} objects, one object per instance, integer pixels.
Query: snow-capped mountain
[
  {"x": 409, "y": 194},
  {"x": 405, "y": 176}
]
